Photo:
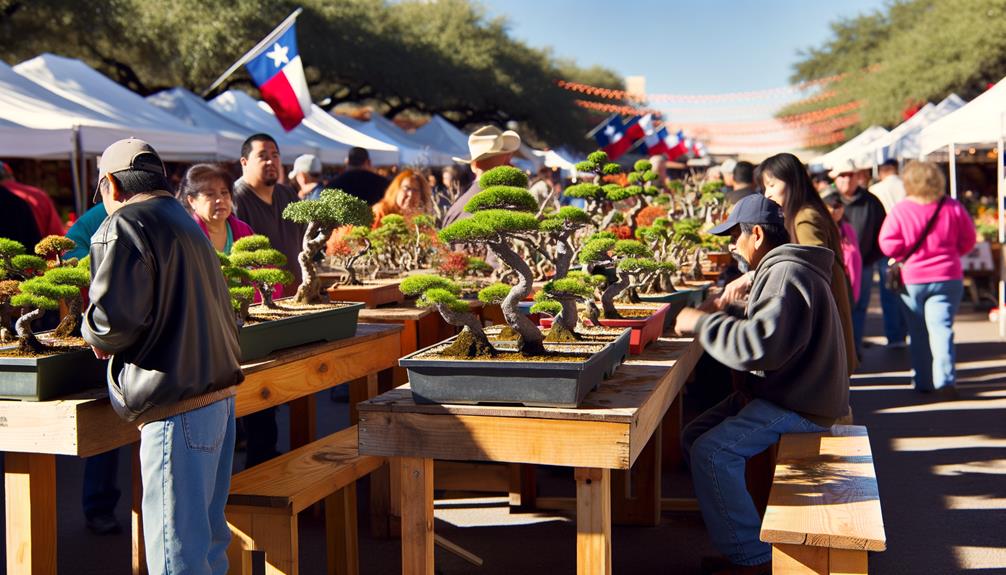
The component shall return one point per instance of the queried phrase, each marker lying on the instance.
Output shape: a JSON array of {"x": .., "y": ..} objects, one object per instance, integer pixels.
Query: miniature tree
[
  {"x": 360, "y": 235},
  {"x": 630, "y": 258},
  {"x": 76, "y": 277},
  {"x": 237, "y": 280},
  {"x": 557, "y": 230},
  {"x": 502, "y": 214},
  {"x": 42, "y": 293},
  {"x": 711, "y": 200},
  {"x": 555, "y": 298},
  {"x": 442, "y": 295},
  {"x": 263, "y": 264},
  {"x": 16, "y": 264},
  {"x": 332, "y": 209},
  {"x": 642, "y": 184},
  {"x": 53, "y": 247},
  {"x": 8, "y": 289},
  {"x": 596, "y": 193}
]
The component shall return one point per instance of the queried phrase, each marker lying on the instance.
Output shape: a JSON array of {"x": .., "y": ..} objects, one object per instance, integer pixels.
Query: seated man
[{"x": 790, "y": 341}]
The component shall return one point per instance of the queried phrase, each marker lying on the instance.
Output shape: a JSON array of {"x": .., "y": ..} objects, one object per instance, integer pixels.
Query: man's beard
[
  {"x": 742, "y": 263},
  {"x": 270, "y": 180}
]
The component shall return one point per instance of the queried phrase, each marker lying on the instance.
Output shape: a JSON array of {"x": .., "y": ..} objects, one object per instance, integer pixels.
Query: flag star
[
  {"x": 278, "y": 55},
  {"x": 609, "y": 131}
]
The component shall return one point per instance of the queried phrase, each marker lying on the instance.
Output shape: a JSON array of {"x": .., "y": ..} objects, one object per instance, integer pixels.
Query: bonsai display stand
[{"x": 371, "y": 294}]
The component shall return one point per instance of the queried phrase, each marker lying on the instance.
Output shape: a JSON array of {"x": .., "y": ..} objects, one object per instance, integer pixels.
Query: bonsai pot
[
  {"x": 644, "y": 330},
  {"x": 677, "y": 301},
  {"x": 50, "y": 376},
  {"x": 527, "y": 382},
  {"x": 372, "y": 294},
  {"x": 260, "y": 339},
  {"x": 719, "y": 259}
]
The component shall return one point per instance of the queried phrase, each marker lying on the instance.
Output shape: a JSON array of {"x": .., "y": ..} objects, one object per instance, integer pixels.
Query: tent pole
[
  {"x": 1001, "y": 193},
  {"x": 953, "y": 171},
  {"x": 79, "y": 204}
]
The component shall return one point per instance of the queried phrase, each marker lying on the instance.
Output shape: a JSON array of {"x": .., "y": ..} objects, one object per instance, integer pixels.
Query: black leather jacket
[{"x": 160, "y": 305}]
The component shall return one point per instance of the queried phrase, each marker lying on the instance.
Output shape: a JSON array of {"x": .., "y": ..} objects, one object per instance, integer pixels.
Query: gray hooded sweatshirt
[{"x": 791, "y": 338}]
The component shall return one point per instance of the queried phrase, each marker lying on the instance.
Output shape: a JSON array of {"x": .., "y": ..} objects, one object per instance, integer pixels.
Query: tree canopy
[
  {"x": 424, "y": 56},
  {"x": 911, "y": 52}
]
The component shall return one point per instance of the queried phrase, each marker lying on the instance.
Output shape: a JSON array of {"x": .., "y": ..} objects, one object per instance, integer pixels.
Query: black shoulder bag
[{"x": 892, "y": 280}]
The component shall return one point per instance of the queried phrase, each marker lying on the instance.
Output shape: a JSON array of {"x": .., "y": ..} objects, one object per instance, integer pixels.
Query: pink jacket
[
  {"x": 239, "y": 229},
  {"x": 851, "y": 257},
  {"x": 939, "y": 257}
]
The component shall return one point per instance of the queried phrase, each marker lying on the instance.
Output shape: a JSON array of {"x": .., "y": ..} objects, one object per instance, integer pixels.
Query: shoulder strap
[{"x": 929, "y": 227}]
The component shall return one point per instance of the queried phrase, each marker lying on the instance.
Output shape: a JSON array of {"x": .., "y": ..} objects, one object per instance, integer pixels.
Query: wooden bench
[
  {"x": 265, "y": 500},
  {"x": 823, "y": 512}
]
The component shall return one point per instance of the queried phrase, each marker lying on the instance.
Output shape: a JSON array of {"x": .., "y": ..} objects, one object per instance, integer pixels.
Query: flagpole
[
  {"x": 591, "y": 133},
  {"x": 278, "y": 31}
]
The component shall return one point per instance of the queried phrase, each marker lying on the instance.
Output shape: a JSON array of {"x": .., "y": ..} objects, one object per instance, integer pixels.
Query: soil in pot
[
  {"x": 287, "y": 308},
  {"x": 51, "y": 345}
]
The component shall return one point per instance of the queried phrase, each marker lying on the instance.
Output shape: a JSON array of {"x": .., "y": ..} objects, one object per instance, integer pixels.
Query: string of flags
[{"x": 616, "y": 137}]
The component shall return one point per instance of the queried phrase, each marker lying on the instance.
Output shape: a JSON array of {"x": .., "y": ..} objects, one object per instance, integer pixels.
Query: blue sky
[{"x": 693, "y": 47}]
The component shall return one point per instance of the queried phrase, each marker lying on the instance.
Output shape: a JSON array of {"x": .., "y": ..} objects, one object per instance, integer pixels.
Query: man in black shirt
[
  {"x": 744, "y": 184},
  {"x": 866, "y": 214},
  {"x": 359, "y": 180}
]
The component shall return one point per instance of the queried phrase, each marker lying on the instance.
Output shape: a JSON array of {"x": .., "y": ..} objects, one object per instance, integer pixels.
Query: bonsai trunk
[
  {"x": 531, "y": 337},
  {"x": 610, "y": 293},
  {"x": 309, "y": 290},
  {"x": 640, "y": 204},
  {"x": 69, "y": 326},
  {"x": 563, "y": 258},
  {"x": 351, "y": 279},
  {"x": 593, "y": 314},
  {"x": 266, "y": 291},
  {"x": 567, "y": 317},
  {"x": 472, "y": 341},
  {"x": 27, "y": 342}
]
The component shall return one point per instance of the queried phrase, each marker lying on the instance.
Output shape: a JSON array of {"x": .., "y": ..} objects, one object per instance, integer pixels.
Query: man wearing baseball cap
[
  {"x": 789, "y": 341},
  {"x": 161, "y": 314}
]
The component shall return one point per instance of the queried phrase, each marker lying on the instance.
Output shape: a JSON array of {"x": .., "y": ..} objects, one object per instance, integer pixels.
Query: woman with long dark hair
[{"x": 809, "y": 223}]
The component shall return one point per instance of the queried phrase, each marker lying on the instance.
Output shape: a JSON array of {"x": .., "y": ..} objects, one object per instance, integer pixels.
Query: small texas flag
[
  {"x": 616, "y": 138},
  {"x": 279, "y": 75},
  {"x": 676, "y": 145},
  {"x": 653, "y": 142}
]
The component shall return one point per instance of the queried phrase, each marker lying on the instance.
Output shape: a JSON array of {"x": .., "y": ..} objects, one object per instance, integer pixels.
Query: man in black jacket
[
  {"x": 161, "y": 313},
  {"x": 866, "y": 214},
  {"x": 359, "y": 179}
]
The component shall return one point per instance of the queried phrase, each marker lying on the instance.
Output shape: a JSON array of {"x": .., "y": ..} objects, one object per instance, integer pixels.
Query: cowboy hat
[
  {"x": 843, "y": 167},
  {"x": 489, "y": 141}
]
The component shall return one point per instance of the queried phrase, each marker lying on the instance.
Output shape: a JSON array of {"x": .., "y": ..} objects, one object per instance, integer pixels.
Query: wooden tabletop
[
  {"x": 85, "y": 424},
  {"x": 608, "y": 430},
  {"x": 394, "y": 314}
]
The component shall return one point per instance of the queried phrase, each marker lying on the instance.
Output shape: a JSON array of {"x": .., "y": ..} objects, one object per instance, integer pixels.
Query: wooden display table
[
  {"x": 33, "y": 433},
  {"x": 421, "y": 327},
  {"x": 609, "y": 432}
]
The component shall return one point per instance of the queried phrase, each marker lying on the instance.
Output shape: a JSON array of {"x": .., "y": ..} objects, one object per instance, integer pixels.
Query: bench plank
[
  {"x": 304, "y": 476},
  {"x": 825, "y": 492}
]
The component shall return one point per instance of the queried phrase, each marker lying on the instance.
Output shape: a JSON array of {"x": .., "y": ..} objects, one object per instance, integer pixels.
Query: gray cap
[
  {"x": 728, "y": 166},
  {"x": 306, "y": 164},
  {"x": 129, "y": 154}
]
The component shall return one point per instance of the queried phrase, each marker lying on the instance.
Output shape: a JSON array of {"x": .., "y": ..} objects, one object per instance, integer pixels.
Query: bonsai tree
[
  {"x": 642, "y": 185},
  {"x": 68, "y": 273},
  {"x": 629, "y": 257},
  {"x": 8, "y": 289},
  {"x": 558, "y": 298},
  {"x": 597, "y": 193},
  {"x": 263, "y": 264},
  {"x": 16, "y": 264},
  {"x": 556, "y": 231},
  {"x": 238, "y": 280},
  {"x": 332, "y": 209},
  {"x": 503, "y": 213},
  {"x": 358, "y": 235},
  {"x": 424, "y": 240},
  {"x": 442, "y": 295},
  {"x": 41, "y": 293}
]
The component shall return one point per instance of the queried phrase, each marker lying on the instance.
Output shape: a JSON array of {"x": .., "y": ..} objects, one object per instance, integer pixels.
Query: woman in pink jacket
[
  {"x": 851, "y": 255},
  {"x": 932, "y": 274}
]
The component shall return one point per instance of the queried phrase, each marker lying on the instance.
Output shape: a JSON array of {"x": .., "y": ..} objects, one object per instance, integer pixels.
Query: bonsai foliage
[
  {"x": 642, "y": 186},
  {"x": 8, "y": 289},
  {"x": 557, "y": 230},
  {"x": 630, "y": 257},
  {"x": 442, "y": 295},
  {"x": 263, "y": 265},
  {"x": 238, "y": 282},
  {"x": 553, "y": 298},
  {"x": 596, "y": 193},
  {"x": 503, "y": 213},
  {"x": 66, "y": 273},
  {"x": 332, "y": 209}
]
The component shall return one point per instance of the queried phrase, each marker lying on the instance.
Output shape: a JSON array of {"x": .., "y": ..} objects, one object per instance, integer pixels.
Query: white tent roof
[
  {"x": 560, "y": 159},
  {"x": 196, "y": 112},
  {"x": 17, "y": 141},
  {"x": 77, "y": 82},
  {"x": 258, "y": 117},
  {"x": 857, "y": 149},
  {"x": 979, "y": 121},
  {"x": 439, "y": 134},
  {"x": 412, "y": 152},
  {"x": 903, "y": 141},
  {"x": 381, "y": 153}
]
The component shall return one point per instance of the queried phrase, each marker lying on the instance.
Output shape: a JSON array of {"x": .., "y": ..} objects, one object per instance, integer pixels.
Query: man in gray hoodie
[{"x": 789, "y": 340}]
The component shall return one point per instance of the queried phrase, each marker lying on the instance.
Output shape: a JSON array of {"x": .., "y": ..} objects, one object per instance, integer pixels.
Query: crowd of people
[{"x": 788, "y": 323}]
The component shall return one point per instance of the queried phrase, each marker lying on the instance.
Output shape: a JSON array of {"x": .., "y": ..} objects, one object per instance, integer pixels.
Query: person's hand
[
  {"x": 736, "y": 291},
  {"x": 711, "y": 303},
  {"x": 686, "y": 321},
  {"x": 100, "y": 353}
]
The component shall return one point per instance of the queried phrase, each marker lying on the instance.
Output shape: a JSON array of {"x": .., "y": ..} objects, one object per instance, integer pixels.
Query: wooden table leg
[
  {"x": 136, "y": 519},
  {"x": 671, "y": 440},
  {"x": 523, "y": 487},
  {"x": 635, "y": 498},
  {"x": 30, "y": 490},
  {"x": 303, "y": 421},
  {"x": 593, "y": 521},
  {"x": 417, "y": 516},
  {"x": 361, "y": 389}
]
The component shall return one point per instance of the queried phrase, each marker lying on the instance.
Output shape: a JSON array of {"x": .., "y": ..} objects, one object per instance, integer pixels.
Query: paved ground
[{"x": 940, "y": 466}]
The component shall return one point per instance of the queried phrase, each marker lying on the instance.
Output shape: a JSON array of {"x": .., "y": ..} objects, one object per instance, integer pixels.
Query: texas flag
[
  {"x": 279, "y": 75},
  {"x": 616, "y": 138},
  {"x": 653, "y": 139},
  {"x": 676, "y": 145}
]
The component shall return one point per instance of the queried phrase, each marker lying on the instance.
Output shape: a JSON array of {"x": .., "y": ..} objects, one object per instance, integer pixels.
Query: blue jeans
[
  {"x": 717, "y": 444},
  {"x": 895, "y": 323},
  {"x": 101, "y": 484},
  {"x": 931, "y": 310},
  {"x": 186, "y": 462},
  {"x": 859, "y": 310}
]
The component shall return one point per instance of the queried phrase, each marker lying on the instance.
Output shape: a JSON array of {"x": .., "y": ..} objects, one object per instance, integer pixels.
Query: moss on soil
[{"x": 558, "y": 333}]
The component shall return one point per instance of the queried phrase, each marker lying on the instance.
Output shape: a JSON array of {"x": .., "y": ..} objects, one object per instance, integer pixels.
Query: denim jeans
[
  {"x": 101, "y": 484},
  {"x": 895, "y": 322},
  {"x": 185, "y": 462},
  {"x": 717, "y": 445},
  {"x": 931, "y": 310},
  {"x": 859, "y": 310}
]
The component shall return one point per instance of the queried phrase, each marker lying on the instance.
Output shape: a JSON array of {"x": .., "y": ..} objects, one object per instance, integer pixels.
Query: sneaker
[{"x": 105, "y": 524}]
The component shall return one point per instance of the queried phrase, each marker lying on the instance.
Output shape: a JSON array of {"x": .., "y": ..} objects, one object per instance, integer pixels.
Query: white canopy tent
[
  {"x": 244, "y": 110},
  {"x": 857, "y": 149},
  {"x": 411, "y": 151},
  {"x": 381, "y": 153},
  {"x": 902, "y": 142},
  {"x": 439, "y": 134},
  {"x": 196, "y": 112},
  {"x": 75, "y": 81},
  {"x": 558, "y": 159},
  {"x": 17, "y": 141}
]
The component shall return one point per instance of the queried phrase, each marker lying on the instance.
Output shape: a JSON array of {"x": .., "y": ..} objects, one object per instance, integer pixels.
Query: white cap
[
  {"x": 728, "y": 166},
  {"x": 306, "y": 164}
]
